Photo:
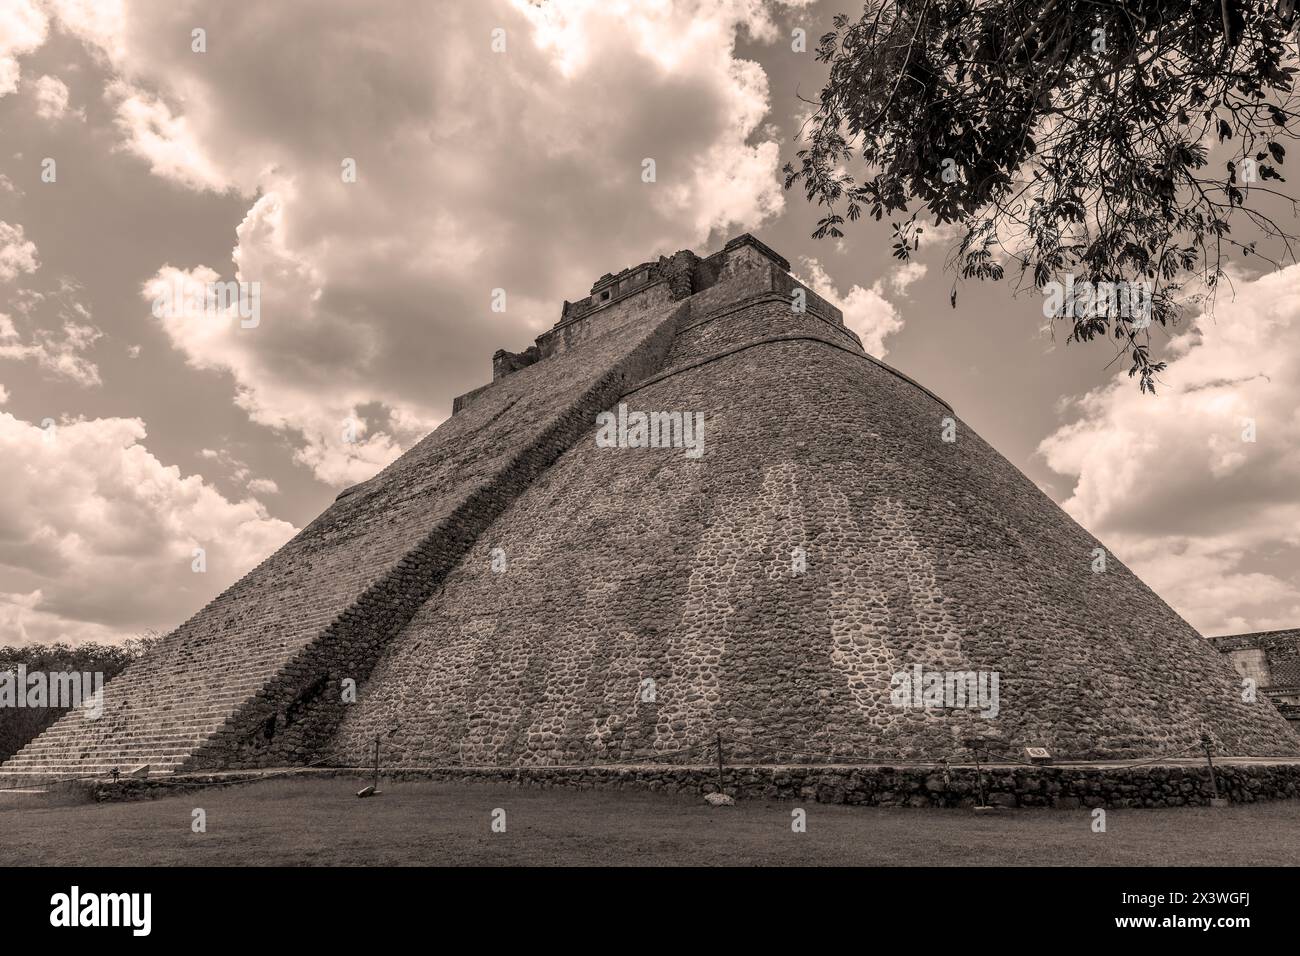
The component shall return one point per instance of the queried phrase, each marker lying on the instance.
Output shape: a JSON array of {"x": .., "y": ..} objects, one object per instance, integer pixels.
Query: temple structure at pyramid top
[
  {"x": 695, "y": 506},
  {"x": 654, "y": 283}
]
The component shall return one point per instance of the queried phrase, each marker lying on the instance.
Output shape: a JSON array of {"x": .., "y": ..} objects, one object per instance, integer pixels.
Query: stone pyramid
[{"x": 531, "y": 585}]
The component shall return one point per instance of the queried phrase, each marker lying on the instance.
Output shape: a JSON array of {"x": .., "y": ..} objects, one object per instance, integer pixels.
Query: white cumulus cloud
[
  {"x": 866, "y": 310},
  {"x": 57, "y": 333},
  {"x": 17, "y": 252},
  {"x": 23, "y": 28},
  {"x": 97, "y": 536},
  {"x": 476, "y": 170},
  {"x": 1209, "y": 518},
  {"x": 51, "y": 95},
  {"x": 905, "y": 274}
]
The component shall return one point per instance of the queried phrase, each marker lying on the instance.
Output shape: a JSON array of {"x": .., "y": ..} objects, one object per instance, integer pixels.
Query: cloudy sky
[{"x": 131, "y": 163}]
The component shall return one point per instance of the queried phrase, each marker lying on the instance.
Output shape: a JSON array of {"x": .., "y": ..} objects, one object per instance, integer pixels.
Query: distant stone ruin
[
  {"x": 1271, "y": 660},
  {"x": 833, "y": 578}
]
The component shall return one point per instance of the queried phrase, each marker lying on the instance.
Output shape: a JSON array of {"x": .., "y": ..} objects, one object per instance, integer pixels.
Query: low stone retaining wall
[{"x": 1063, "y": 787}]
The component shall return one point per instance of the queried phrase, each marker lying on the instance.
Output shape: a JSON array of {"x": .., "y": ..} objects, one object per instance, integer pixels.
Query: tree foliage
[
  {"x": 18, "y": 725},
  {"x": 1062, "y": 137}
]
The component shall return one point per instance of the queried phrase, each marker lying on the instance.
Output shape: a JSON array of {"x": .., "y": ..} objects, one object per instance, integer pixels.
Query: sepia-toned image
[{"x": 650, "y": 434}]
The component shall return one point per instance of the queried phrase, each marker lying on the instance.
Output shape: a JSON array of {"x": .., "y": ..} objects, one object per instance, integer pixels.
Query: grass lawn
[{"x": 321, "y": 822}]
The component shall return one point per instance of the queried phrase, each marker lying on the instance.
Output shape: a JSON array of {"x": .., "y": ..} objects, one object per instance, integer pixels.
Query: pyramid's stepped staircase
[{"x": 254, "y": 678}]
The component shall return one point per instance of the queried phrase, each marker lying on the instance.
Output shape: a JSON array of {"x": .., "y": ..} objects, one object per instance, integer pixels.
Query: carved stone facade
[{"x": 1272, "y": 660}]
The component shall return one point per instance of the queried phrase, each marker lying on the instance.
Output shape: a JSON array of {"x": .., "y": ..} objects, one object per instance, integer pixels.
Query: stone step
[
  {"x": 197, "y": 712},
  {"x": 166, "y": 719},
  {"x": 143, "y": 702},
  {"x": 171, "y": 723},
  {"x": 161, "y": 710},
  {"x": 190, "y": 735},
  {"x": 157, "y": 764},
  {"x": 83, "y": 741},
  {"x": 83, "y": 753},
  {"x": 79, "y": 746},
  {"x": 164, "y": 683},
  {"x": 31, "y": 775},
  {"x": 104, "y": 762},
  {"x": 105, "y": 767},
  {"x": 132, "y": 757},
  {"x": 88, "y": 747}
]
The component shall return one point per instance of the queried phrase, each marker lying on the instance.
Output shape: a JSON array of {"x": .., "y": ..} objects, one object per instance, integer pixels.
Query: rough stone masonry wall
[
  {"x": 640, "y": 304},
  {"x": 740, "y": 322},
  {"x": 1064, "y": 788},
  {"x": 321, "y": 607},
  {"x": 628, "y": 565}
]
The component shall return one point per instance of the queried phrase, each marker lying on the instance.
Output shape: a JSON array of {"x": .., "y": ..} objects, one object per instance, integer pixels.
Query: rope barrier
[
  {"x": 1171, "y": 756},
  {"x": 58, "y": 780},
  {"x": 198, "y": 784},
  {"x": 708, "y": 745}
]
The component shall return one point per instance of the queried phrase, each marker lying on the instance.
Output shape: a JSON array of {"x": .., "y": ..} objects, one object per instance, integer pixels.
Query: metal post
[
  {"x": 979, "y": 777},
  {"x": 376, "y": 761},
  {"x": 719, "y": 763},
  {"x": 1209, "y": 759}
]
